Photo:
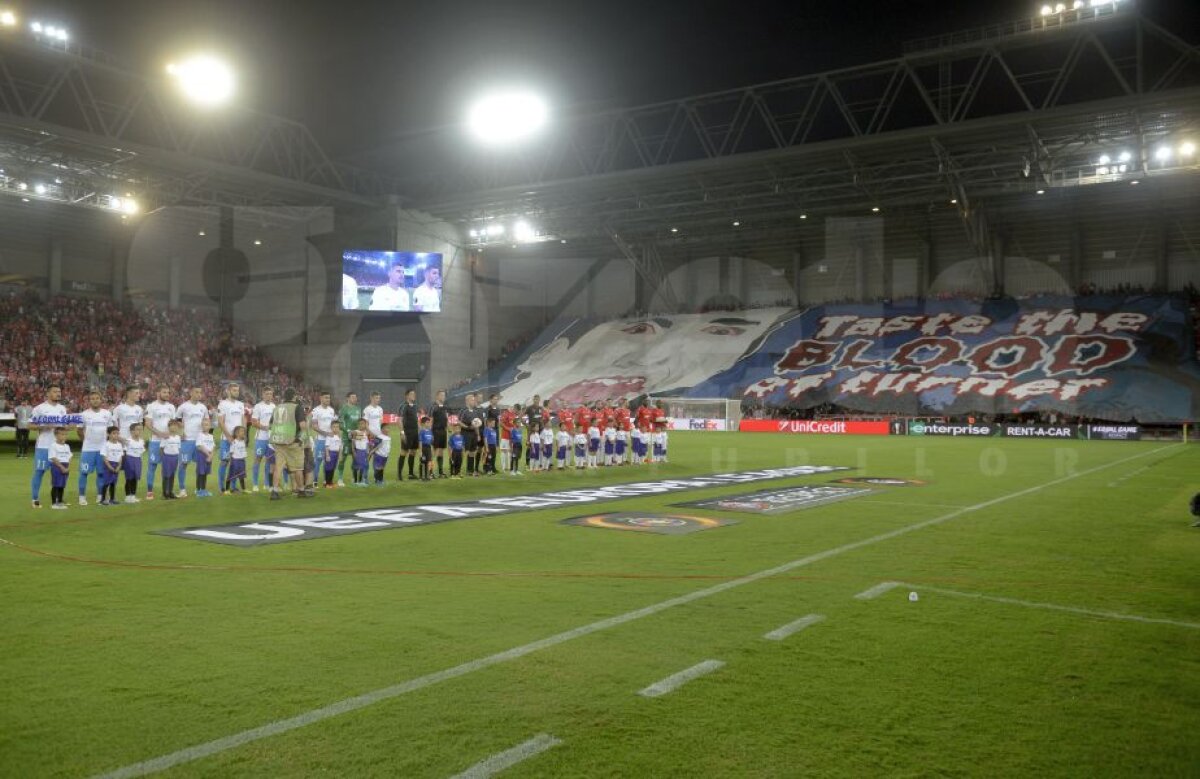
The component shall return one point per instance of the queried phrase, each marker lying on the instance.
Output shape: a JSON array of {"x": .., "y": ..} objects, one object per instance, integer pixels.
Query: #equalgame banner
[{"x": 1102, "y": 357}]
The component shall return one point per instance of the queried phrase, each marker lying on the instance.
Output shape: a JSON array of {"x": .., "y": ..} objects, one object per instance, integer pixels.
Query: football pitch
[{"x": 1055, "y": 630}]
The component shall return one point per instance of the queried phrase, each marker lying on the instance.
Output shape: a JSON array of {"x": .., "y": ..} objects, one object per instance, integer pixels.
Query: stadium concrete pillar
[
  {"x": 1162, "y": 268},
  {"x": 999, "y": 246},
  {"x": 860, "y": 271},
  {"x": 54, "y": 267},
  {"x": 925, "y": 262},
  {"x": 1075, "y": 258},
  {"x": 174, "y": 281},
  {"x": 120, "y": 263},
  {"x": 797, "y": 263}
]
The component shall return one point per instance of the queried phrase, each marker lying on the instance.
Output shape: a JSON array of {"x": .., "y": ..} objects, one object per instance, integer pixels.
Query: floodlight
[
  {"x": 1041, "y": 191},
  {"x": 1125, "y": 156},
  {"x": 523, "y": 232},
  {"x": 674, "y": 229},
  {"x": 804, "y": 216},
  {"x": 204, "y": 79},
  {"x": 62, "y": 35},
  {"x": 874, "y": 209},
  {"x": 1104, "y": 159},
  {"x": 22, "y": 186},
  {"x": 737, "y": 224},
  {"x": 1162, "y": 153},
  {"x": 258, "y": 242},
  {"x": 1047, "y": 10},
  {"x": 39, "y": 189},
  {"x": 8, "y": 19},
  {"x": 495, "y": 229},
  {"x": 1075, "y": 6},
  {"x": 1060, "y": 8},
  {"x": 1187, "y": 149},
  {"x": 130, "y": 206},
  {"x": 36, "y": 27},
  {"x": 1122, "y": 168},
  {"x": 1102, "y": 171},
  {"x": 507, "y": 117}
]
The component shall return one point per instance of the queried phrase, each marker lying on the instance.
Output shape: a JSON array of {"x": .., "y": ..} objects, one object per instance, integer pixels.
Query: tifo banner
[
  {"x": 279, "y": 531},
  {"x": 582, "y": 361},
  {"x": 818, "y": 426},
  {"x": 1114, "y": 358}
]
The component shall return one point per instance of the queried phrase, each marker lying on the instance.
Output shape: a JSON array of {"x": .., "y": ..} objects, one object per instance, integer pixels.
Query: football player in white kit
[
  {"x": 159, "y": 414},
  {"x": 231, "y": 414},
  {"x": 191, "y": 413},
  {"x": 260, "y": 423},
  {"x": 93, "y": 432}
]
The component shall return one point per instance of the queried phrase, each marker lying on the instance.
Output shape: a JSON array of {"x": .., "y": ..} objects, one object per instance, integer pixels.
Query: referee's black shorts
[
  {"x": 439, "y": 438},
  {"x": 470, "y": 441},
  {"x": 410, "y": 440}
]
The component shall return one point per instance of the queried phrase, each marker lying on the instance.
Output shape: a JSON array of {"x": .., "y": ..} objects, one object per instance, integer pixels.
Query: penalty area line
[
  {"x": 1030, "y": 604},
  {"x": 224, "y": 744}
]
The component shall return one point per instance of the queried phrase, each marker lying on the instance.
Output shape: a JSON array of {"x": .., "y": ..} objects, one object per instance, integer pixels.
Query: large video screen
[{"x": 391, "y": 281}]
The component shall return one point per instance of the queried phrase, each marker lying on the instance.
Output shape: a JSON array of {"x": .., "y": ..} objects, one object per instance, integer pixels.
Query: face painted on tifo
[{"x": 626, "y": 358}]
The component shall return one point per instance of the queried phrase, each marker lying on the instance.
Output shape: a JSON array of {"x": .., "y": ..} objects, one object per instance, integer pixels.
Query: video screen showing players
[{"x": 377, "y": 281}]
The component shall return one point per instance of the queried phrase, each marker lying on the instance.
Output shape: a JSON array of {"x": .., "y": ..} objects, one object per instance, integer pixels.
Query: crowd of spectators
[{"x": 86, "y": 342}]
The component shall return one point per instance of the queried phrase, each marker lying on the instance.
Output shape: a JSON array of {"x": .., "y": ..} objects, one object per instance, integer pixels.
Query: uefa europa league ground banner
[
  {"x": 280, "y": 531},
  {"x": 1105, "y": 357}
]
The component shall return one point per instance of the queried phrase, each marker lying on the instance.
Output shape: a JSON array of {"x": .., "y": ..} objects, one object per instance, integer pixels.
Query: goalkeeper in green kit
[{"x": 348, "y": 415}]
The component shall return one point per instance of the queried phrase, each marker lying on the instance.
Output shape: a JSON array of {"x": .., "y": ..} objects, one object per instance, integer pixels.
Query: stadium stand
[{"x": 88, "y": 342}]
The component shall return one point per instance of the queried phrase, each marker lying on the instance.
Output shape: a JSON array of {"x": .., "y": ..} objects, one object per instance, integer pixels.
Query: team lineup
[{"x": 278, "y": 445}]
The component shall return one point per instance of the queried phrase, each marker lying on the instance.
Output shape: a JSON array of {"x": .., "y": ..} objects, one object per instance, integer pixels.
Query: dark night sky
[{"x": 362, "y": 72}]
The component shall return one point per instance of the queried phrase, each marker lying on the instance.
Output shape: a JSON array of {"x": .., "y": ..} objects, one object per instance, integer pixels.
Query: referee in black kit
[
  {"x": 441, "y": 419},
  {"x": 471, "y": 422},
  {"x": 410, "y": 427},
  {"x": 533, "y": 413},
  {"x": 492, "y": 414}
]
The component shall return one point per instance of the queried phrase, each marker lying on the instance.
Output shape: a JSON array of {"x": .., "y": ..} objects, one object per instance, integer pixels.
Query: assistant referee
[
  {"x": 410, "y": 428},
  {"x": 470, "y": 423},
  {"x": 441, "y": 419}
]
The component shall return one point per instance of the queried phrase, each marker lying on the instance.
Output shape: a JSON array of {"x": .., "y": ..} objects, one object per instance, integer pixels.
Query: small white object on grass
[{"x": 912, "y": 596}]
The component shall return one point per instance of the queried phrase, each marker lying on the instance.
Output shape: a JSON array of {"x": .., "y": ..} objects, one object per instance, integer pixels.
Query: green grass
[{"x": 113, "y": 651}]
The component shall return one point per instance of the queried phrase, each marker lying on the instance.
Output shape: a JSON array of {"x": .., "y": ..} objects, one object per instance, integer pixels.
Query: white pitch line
[
  {"x": 509, "y": 757},
  {"x": 877, "y": 590},
  {"x": 1130, "y": 475},
  {"x": 910, "y": 505},
  {"x": 225, "y": 743},
  {"x": 780, "y": 633},
  {"x": 675, "y": 681},
  {"x": 1055, "y": 607}
]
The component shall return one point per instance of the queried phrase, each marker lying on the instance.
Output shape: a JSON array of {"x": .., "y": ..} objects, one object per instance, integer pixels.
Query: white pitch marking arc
[
  {"x": 675, "y": 681},
  {"x": 1030, "y": 604},
  {"x": 782, "y": 632},
  {"x": 346, "y": 705},
  {"x": 502, "y": 761},
  {"x": 872, "y": 593}
]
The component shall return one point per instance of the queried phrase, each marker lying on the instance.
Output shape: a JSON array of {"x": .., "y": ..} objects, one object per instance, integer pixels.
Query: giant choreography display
[{"x": 1119, "y": 358}]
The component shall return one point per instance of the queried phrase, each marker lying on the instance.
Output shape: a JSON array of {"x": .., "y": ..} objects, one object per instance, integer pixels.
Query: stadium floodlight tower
[
  {"x": 205, "y": 80},
  {"x": 507, "y": 117}
]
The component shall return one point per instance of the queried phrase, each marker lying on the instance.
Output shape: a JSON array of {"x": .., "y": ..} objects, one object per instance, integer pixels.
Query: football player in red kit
[{"x": 508, "y": 419}]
